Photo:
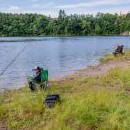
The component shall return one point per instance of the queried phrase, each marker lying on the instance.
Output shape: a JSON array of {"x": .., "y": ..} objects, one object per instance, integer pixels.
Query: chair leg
[{"x": 43, "y": 86}]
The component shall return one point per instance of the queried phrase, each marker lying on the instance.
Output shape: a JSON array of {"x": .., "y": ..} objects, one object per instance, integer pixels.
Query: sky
[{"x": 52, "y": 7}]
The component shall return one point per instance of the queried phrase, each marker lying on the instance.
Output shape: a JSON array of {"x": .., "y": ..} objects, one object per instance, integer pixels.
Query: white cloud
[
  {"x": 36, "y": 5},
  {"x": 35, "y": 0},
  {"x": 50, "y": 8},
  {"x": 40, "y": 6},
  {"x": 93, "y": 4},
  {"x": 13, "y": 9},
  {"x": 53, "y": 14},
  {"x": 116, "y": 10},
  {"x": 113, "y": 10}
]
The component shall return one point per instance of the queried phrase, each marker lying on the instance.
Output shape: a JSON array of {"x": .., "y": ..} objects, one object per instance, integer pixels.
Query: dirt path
[{"x": 100, "y": 70}]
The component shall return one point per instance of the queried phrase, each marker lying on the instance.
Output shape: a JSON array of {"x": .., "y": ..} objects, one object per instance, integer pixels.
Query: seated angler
[
  {"x": 35, "y": 79},
  {"x": 119, "y": 50},
  {"x": 40, "y": 78},
  {"x": 37, "y": 76}
]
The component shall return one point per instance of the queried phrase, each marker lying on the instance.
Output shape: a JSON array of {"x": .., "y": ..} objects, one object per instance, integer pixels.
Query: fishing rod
[{"x": 14, "y": 59}]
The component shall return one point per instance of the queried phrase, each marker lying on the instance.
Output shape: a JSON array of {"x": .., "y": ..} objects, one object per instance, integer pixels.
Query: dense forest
[{"x": 65, "y": 25}]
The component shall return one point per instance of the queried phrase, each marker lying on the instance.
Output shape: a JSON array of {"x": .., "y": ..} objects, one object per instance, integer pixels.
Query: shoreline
[
  {"x": 101, "y": 68},
  {"x": 65, "y": 36},
  {"x": 96, "y": 70}
]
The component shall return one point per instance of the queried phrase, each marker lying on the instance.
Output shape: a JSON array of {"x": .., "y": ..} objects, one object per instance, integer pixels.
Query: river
[{"x": 60, "y": 55}]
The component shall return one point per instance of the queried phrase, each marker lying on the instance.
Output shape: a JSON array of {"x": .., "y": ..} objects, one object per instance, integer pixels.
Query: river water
[{"x": 60, "y": 55}]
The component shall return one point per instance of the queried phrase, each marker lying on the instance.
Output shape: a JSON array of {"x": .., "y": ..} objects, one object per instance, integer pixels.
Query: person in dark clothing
[
  {"x": 37, "y": 77},
  {"x": 40, "y": 78},
  {"x": 119, "y": 50}
]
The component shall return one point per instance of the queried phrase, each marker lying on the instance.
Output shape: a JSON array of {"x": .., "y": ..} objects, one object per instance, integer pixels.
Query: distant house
[
  {"x": 124, "y": 15},
  {"x": 126, "y": 33},
  {"x": 128, "y": 14},
  {"x": 121, "y": 15}
]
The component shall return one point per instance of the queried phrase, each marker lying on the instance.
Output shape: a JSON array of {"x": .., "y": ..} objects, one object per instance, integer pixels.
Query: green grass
[
  {"x": 95, "y": 103},
  {"x": 108, "y": 57}
]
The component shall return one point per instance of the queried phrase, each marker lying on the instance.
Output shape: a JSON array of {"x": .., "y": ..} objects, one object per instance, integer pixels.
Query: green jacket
[{"x": 44, "y": 75}]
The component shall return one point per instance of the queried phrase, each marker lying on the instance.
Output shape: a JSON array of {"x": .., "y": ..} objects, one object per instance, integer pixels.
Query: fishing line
[{"x": 15, "y": 58}]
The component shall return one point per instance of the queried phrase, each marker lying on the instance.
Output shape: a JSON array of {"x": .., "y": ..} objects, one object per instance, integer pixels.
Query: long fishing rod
[{"x": 13, "y": 60}]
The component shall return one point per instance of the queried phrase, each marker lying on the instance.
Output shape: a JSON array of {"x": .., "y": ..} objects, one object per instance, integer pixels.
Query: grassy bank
[
  {"x": 101, "y": 103},
  {"x": 108, "y": 58}
]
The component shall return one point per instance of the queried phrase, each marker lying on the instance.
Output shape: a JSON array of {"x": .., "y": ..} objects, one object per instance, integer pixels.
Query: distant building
[
  {"x": 121, "y": 15},
  {"x": 128, "y": 14},
  {"x": 126, "y": 33}
]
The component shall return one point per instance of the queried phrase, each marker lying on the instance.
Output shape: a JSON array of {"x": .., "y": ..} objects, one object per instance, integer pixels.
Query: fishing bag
[{"x": 51, "y": 100}]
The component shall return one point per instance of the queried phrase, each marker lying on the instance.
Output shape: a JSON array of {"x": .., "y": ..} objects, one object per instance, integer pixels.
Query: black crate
[{"x": 51, "y": 100}]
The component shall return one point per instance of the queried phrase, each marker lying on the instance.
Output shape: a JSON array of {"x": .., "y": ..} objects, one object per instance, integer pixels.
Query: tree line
[{"x": 65, "y": 25}]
